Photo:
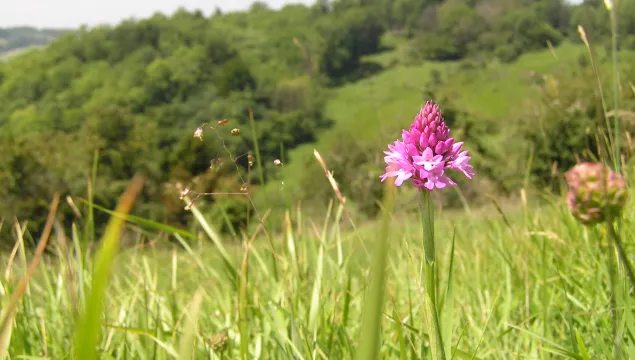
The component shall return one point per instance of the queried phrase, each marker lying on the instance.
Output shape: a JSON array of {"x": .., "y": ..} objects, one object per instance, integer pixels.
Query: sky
[{"x": 73, "y": 13}]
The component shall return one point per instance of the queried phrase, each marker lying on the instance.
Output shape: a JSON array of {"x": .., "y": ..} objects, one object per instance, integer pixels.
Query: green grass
[
  {"x": 524, "y": 286},
  {"x": 492, "y": 92}
]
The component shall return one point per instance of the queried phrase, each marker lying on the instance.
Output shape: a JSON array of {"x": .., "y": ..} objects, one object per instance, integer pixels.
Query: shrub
[
  {"x": 508, "y": 53},
  {"x": 563, "y": 131},
  {"x": 438, "y": 47}
]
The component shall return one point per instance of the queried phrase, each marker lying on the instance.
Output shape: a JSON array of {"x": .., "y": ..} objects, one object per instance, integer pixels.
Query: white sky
[{"x": 73, "y": 13}]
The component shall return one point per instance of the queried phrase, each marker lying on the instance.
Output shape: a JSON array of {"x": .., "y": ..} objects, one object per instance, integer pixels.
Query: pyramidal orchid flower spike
[
  {"x": 424, "y": 156},
  {"x": 426, "y": 152}
]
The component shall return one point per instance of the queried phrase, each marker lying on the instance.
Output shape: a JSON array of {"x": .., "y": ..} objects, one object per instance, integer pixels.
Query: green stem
[
  {"x": 543, "y": 291},
  {"x": 616, "y": 91},
  {"x": 261, "y": 175},
  {"x": 612, "y": 281},
  {"x": 430, "y": 298},
  {"x": 621, "y": 253}
]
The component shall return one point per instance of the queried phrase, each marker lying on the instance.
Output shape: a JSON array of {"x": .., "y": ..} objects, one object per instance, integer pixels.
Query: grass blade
[
  {"x": 89, "y": 325},
  {"x": 317, "y": 286},
  {"x": 5, "y": 337},
  {"x": 243, "y": 305},
  {"x": 583, "y": 352},
  {"x": 188, "y": 342},
  {"x": 371, "y": 322},
  {"x": 8, "y": 311},
  {"x": 216, "y": 239},
  {"x": 144, "y": 222},
  {"x": 448, "y": 305},
  {"x": 252, "y": 122}
]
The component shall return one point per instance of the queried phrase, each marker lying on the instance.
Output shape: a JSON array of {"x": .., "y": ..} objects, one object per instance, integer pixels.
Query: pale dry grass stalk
[{"x": 37, "y": 256}]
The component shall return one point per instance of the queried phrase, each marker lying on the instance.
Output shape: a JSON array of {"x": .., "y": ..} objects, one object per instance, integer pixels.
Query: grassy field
[{"x": 529, "y": 283}]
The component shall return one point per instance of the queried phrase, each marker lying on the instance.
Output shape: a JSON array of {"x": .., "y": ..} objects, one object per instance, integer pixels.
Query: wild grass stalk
[
  {"x": 370, "y": 339},
  {"x": 88, "y": 332},
  {"x": 617, "y": 129}
]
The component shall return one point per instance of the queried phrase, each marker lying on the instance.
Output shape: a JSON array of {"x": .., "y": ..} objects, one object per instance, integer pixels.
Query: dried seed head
[
  {"x": 223, "y": 122},
  {"x": 243, "y": 188},
  {"x": 219, "y": 342},
  {"x": 184, "y": 193},
  {"x": 199, "y": 133},
  {"x": 189, "y": 206},
  {"x": 235, "y": 131},
  {"x": 277, "y": 162}
]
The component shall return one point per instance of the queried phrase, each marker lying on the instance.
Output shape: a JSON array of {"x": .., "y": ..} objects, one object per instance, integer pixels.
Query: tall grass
[{"x": 526, "y": 285}]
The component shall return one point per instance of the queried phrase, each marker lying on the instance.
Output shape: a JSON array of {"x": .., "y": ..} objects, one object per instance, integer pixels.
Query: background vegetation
[
  {"x": 283, "y": 270},
  {"x": 341, "y": 76},
  {"x": 17, "y": 39}
]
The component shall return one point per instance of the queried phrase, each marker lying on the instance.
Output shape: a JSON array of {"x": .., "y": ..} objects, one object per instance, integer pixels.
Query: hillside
[
  {"x": 502, "y": 101},
  {"x": 13, "y": 40}
]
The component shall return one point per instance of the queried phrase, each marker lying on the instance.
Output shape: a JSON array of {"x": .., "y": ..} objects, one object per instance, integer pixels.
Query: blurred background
[{"x": 92, "y": 93}]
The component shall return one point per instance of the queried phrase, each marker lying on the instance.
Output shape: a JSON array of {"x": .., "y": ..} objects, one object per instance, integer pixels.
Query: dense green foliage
[
  {"x": 133, "y": 94},
  {"x": 456, "y": 29},
  {"x": 137, "y": 92}
]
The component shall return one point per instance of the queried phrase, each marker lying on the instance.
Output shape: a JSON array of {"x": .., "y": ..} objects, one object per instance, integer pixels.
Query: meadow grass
[{"x": 530, "y": 283}]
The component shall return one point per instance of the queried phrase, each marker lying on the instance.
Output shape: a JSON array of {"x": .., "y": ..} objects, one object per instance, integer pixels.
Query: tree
[{"x": 349, "y": 35}]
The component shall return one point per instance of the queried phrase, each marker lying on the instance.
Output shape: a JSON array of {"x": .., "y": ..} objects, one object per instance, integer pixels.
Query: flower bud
[
  {"x": 222, "y": 122},
  {"x": 219, "y": 342},
  {"x": 184, "y": 193},
  {"x": 595, "y": 193},
  {"x": 199, "y": 133},
  {"x": 235, "y": 131},
  {"x": 277, "y": 162}
]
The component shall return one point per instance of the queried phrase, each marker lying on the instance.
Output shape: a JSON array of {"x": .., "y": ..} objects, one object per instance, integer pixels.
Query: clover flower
[{"x": 595, "y": 192}]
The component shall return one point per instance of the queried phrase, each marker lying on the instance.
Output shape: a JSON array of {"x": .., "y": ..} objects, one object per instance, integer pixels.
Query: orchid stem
[{"x": 432, "y": 317}]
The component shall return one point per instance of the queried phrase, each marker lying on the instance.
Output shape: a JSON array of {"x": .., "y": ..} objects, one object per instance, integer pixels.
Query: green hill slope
[
  {"x": 372, "y": 112},
  {"x": 390, "y": 99}
]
